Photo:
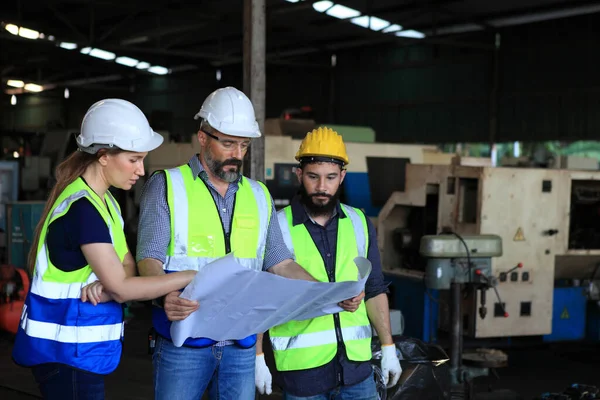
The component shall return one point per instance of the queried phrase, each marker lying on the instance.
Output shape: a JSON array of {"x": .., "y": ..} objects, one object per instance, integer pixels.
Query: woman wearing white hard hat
[{"x": 71, "y": 328}]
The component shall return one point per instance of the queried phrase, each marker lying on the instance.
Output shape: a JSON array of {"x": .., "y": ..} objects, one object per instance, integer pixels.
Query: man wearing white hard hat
[{"x": 191, "y": 215}]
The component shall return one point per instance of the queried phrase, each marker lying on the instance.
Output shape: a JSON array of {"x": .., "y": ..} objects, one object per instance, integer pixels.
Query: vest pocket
[
  {"x": 99, "y": 329},
  {"x": 201, "y": 246}
]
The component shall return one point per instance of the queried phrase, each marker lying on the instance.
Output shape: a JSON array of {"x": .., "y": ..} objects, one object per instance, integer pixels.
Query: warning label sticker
[
  {"x": 519, "y": 236},
  {"x": 565, "y": 314}
]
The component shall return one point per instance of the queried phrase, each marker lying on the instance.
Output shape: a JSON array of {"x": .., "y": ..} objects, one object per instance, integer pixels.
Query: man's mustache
[
  {"x": 321, "y": 195},
  {"x": 232, "y": 161}
]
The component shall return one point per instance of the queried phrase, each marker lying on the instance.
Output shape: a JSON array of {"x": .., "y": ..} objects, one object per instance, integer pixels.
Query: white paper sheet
[{"x": 236, "y": 302}]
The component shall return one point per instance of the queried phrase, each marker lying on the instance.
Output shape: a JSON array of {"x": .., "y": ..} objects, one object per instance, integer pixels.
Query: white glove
[
  {"x": 262, "y": 375},
  {"x": 390, "y": 365}
]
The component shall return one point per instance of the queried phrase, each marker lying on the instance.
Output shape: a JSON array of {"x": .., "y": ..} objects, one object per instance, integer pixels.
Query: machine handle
[{"x": 489, "y": 284}]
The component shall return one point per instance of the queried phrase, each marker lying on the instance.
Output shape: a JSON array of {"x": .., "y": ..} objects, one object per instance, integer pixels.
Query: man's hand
[
  {"x": 177, "y": 308},
  {"x": 262, "y": 376},
  {"x": 94, "y": 293},
  {"x": 352, "y": 304},
  {"x": 390, "y": 365}
]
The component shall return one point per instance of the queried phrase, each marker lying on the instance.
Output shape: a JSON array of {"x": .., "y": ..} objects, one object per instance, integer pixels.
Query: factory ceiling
[{"x": 58, "y": 43}]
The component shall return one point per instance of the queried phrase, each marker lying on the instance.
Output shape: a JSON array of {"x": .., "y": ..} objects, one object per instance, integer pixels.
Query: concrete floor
[{"x": 532, "y": 371}]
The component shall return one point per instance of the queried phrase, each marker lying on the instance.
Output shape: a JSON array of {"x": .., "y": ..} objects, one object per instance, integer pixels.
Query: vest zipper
[{"x": 336, "y": 319}]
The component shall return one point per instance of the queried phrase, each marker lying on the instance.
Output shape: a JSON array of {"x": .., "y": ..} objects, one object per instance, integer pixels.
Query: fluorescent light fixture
[
  {"x": 378, "y": 24},
  {"x": 66, "y": 93},
  {"x": 218, "y": 75},
  {"x": 292, "y": 1},
  {"x": 32, "y": 87},
  {"x": 392, "y": 28},
  {"x": 103, "y": 54},
  {"x": 321, "y": 6},
  {"x": 51, "y": 38},
  {"x": 128, "y": 61},
  {"x": 28, "y": 33},
  {"x": 68, "y": 45},
  {"x": 15, "y": 83},
  {"x": 361, "y": 21},
  {"x": 342, "y": 12},
  {"x": 143, "y": 65},
  {"x": 411, "y": 34},
  {"x": 12, "y": 29},
  {"x": 156, "y": 69},
  {"x": 86, "y": 50},
  {"x": 13, "y": 100}
]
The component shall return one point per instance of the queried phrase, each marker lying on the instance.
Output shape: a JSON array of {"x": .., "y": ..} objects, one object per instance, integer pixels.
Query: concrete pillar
[{"x": 255, "y": 80}]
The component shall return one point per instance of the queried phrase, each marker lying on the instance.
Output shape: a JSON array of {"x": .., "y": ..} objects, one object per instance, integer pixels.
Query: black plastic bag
[{"x": 425, "y": 371}]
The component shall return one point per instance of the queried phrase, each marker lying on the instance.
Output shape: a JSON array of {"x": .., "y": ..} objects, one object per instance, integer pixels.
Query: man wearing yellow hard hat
[{"x": 330, "y": 356}]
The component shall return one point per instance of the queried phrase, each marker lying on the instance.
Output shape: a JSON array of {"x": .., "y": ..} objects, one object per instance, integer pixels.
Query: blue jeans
[
  {"x": 61, "y": 382},
  {"x": 365, "y": 390},
  {"x": 185, "y": 373}
]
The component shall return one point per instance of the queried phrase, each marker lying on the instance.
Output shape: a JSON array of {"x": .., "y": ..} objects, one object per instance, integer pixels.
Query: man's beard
[
  {"x": 316, "y": 209},
  {"x": 216, "y": 167}
]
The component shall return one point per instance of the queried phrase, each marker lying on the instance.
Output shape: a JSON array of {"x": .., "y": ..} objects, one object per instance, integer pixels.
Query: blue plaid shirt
[{"x": 154, "y": 229}]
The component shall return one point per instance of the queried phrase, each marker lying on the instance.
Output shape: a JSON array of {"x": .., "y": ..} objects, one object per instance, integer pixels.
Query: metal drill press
[{"x": 457, "y": 264}]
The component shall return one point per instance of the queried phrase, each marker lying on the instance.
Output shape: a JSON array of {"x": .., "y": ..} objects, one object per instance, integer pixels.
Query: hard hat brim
[
  {"x": 228, "y": 129},
  {"x": 155, "y": 141},
  {"x": 321, "y": 158}
]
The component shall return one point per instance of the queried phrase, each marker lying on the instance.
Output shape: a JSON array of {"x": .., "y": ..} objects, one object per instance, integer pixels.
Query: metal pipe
[
  {"x": 455, "y": 329},
  {"x": 494, "y": 93},
  {"x": 255, "y": 80}
]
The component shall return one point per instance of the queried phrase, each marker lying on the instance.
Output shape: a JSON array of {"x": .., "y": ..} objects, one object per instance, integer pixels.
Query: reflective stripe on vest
[
  {"x": 324, "y": 337},
  {"x": 299, "y": 345},
  {"x": 70, "y": 334},
  {"x": 205, "y": 241},
  {"x": 56, "y": 326}
]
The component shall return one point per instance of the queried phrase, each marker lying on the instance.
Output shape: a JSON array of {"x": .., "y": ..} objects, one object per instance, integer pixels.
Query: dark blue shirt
[
  {"x": 82, "y": 224},
  {"x": 340, "y": 370}
]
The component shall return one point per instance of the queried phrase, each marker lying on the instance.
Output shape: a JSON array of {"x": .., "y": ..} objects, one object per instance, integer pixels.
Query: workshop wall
[{"x": 548, "y": 88}]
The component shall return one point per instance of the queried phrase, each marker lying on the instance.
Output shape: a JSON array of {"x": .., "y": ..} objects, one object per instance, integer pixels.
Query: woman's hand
[{"x": 94, "y": 293}]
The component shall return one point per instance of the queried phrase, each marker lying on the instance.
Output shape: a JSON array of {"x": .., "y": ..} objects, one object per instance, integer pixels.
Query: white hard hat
[
  {"x": 229, "y": 111},
  {"x": 118, "y": 123}
]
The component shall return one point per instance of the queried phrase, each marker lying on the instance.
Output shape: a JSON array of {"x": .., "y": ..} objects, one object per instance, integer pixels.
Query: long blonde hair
[{"x": 66, "y": 173}]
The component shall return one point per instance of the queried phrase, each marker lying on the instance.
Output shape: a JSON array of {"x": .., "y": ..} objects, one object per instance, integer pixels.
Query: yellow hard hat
[{"x": 325, "y": 143}]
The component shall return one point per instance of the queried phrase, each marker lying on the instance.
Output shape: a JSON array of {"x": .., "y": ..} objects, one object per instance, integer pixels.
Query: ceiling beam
[
  {"x": 68, "y": 23},
  {"x": 116, "y": 26}
]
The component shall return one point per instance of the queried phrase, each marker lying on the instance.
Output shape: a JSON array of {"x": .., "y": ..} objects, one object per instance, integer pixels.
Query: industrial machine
[
  {"x": 22, "y": 218},
  {"x": 462, "y": 267},
  {"x": 549, "y": 224},
  {"x": 14, "y": 285}
]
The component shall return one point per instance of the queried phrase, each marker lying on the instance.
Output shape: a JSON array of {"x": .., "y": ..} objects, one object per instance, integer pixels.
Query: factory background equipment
[
  {"x": 9, "y": 191},
  {"x": 14, "y": 285},
  {"x": 548, "y": 274},
  {"x": 461, "y": 267}
]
